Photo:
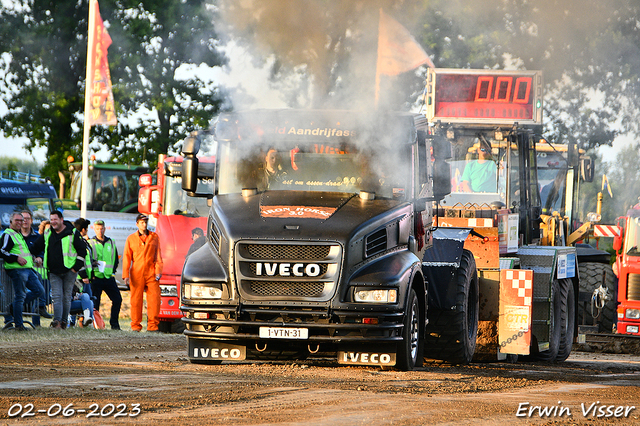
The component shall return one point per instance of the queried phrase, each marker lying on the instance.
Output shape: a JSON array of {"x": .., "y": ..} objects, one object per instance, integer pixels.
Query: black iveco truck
[{"x": 316, "y": 234}]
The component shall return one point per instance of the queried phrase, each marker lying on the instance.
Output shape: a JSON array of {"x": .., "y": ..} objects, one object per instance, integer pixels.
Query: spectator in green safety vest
[
  {"x": 64, "y": 253},
  {"x": 18, "y": 263},
  {"x": 106, "y": 255},
  {"x": 30, "y": 236}
]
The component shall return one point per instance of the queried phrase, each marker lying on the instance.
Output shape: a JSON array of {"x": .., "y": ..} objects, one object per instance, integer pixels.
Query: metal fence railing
[{"x": 6, "y": 300}]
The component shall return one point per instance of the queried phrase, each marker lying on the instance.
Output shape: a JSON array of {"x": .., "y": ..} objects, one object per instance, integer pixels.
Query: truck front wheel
[
  {"x": 451, "y": 333},
  {"x": 555, "y": 327},
  {"x": 409, "y": 353},
  {"x": 592, "y": 276},
  {"x": 568, "y": 319}
]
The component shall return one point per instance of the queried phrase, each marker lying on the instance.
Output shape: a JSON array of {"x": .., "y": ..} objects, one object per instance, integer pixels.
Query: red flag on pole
[
  {"x": 101, "y": 105},
  {"x": 398, "y": 51}
]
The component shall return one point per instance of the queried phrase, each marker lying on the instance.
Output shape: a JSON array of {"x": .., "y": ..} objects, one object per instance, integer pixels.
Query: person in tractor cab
[
  {"x": 113, "y": 195},
  {"x": 480, "y": 175}
]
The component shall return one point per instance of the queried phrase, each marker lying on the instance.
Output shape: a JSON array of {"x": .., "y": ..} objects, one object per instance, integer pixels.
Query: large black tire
[
  {"x": 410, "y": 350},
  {"x": 555, "y": 333},
  {"x": 591, "y": 274},
  {"x": 568, "y": 321},
  {"x": 451, "y": 334}
]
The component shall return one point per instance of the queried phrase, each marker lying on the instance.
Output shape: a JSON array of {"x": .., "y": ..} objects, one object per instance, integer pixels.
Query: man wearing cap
[
  {"x": 106, "y": 253},
  {"x": 141, "y": 270},
  {"x": 480, "y": 175},
  {"x": 197, "y": 235}
]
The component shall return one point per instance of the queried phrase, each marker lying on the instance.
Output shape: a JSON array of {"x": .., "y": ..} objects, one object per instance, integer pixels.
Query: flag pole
[
  {"x": 377, "y": 92},
  {"x": 87, "y": 109}
]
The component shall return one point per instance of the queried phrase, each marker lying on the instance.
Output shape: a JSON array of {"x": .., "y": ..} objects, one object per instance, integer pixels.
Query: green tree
[
  {"x": 45, "y": 44},
  {"x": 586, "y": 49}
]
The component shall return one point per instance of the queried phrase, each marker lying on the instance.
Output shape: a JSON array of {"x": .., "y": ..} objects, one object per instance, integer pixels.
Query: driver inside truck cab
[
  {"x": 271, "y": 170},
  {"x": 480, "y": 175}
]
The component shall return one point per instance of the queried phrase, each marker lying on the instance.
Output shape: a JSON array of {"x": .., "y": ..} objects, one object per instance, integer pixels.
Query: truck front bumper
[{"x": 337, "y": 327}]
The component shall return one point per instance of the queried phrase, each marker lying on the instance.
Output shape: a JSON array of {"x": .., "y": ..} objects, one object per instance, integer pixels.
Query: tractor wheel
[
  {"x": 410, "y": 353},
  {"x": 591, "y": 277},
  {"x": 451, "y": 334},
  {"x": 568, "y": 319},
  {"x": 555, "y": 332}
]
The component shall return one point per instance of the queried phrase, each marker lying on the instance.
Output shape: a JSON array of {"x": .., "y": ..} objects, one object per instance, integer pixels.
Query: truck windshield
[
  {"x": 478, "y": 170},
  {"x": 177, "y": 202},
  {"x": 310, "y": 167},
  {"x": 485, "y": 170},
  {"x": 40, "y": 207},
  {"x": 111, "y": 190},
  {"x": 632, "y": 239}
]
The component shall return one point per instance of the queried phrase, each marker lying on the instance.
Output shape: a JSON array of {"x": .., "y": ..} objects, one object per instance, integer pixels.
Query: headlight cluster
[
  {"x": 198, "y": 291},
  {"x": 169, "y": 290},
  {"x": 375, "y": 296},
  {"x": 632, "y": 313}
]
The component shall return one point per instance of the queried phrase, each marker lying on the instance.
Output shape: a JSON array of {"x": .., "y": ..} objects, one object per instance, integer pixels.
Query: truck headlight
[
  {"x": 169, "y": 290},
  {"x": 632, "y": 313},
  {"x": 197, "y": 291},
  {"x": 632, "y": 329},
  {"x": 375, "y": 296}
]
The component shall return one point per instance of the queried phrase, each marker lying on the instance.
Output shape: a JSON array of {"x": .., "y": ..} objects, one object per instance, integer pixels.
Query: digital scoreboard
[{"x": 484, "y": 96}]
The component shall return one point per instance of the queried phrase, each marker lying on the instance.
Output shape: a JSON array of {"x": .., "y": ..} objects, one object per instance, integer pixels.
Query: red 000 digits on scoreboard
[{"x": 484, "y": 96}]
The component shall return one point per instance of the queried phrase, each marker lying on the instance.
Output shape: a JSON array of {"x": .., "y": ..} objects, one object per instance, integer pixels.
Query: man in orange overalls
[{"x": 141, "y": 270}]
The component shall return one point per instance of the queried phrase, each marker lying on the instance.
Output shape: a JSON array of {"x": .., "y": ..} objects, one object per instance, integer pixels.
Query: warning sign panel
[{"x": 514, "y": 324}]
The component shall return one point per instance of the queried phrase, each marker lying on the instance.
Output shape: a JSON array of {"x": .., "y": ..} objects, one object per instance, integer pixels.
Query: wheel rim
[{"x": 414, "y": 331}]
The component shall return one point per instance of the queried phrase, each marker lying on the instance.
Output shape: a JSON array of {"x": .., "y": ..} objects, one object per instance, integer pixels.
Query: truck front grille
[
  {"x": 633, "y": 287},
  {"x": 287, "y": 272},
  {"x": 287, "y": 288},
  {"x": 287, "y": 251}
]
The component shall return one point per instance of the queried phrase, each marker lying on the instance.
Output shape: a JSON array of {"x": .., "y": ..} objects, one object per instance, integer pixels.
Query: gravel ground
[{"x": 147, "y": 379}]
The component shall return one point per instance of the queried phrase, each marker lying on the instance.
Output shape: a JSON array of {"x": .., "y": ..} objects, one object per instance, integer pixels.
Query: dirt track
[{"x": 84, "y": 367}]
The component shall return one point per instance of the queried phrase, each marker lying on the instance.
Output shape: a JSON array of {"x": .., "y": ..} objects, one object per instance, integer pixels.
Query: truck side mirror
[
  {"x": 586, "y": 169},
  {"x": 441, "y": 148},
  {"x": 145, "y": 180},
  {"x": 190, "y": 174},
  {"x": 441, "y": 178},
  {"x": 191, "y": 145},
  {"x": 617, "y": 242},
  {"x": 144, "y": 200}
]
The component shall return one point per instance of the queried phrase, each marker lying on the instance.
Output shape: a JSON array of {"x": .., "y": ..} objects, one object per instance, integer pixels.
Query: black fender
[
  {"x": 204, "y": 265},
  {"x": 440, "y": 264},
  {"x": 398, "y": 269}
]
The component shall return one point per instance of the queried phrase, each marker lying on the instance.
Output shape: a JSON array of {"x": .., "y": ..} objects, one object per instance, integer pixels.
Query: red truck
[
  {"x": 174, "y": 216},
  {"x": 627, "y": 268}
]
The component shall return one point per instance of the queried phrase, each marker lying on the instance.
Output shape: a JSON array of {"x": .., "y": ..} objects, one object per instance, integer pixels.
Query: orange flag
[
  {"x": 398, "y": 51},
  {"x": 102, "y": 107}
]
